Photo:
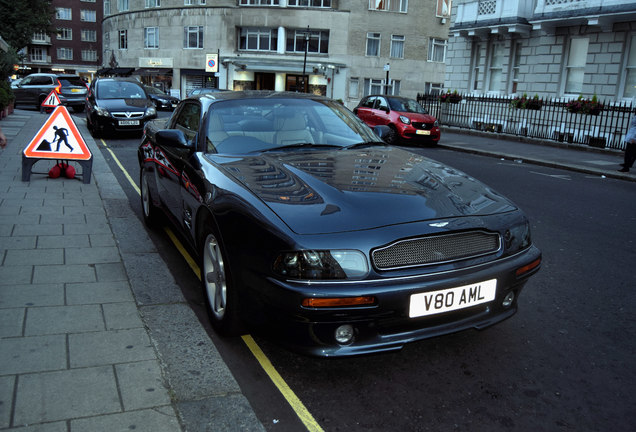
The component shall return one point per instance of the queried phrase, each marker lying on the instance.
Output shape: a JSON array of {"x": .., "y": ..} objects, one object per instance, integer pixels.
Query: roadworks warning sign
[
  {"x": 51, "y": 101},
  {"x": 58, "y": 138}
]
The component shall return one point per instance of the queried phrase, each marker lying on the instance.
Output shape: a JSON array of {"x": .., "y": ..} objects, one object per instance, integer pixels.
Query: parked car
[
  {"x": 117, "y": 105},
  {"x": 313, "y": 231},
  {"x": 199, "y": 91},
  {"x": 408, "y": 120},
  {"x": 161, "y": 99},
  {"x": 34, "y": 88}
]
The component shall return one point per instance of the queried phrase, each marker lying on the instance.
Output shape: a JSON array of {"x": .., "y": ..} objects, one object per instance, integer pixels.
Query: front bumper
[{"x": 386, "y": 325}]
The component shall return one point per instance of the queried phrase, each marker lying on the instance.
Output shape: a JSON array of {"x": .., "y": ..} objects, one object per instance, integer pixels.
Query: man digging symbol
[{"x": 61, "y": 134}]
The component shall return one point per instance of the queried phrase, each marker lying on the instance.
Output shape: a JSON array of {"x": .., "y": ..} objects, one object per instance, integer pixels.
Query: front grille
[
  {"x": 424, "y": 126},
  {"x": 128, "y": 115},
  {"x": 435, "y": 249}
]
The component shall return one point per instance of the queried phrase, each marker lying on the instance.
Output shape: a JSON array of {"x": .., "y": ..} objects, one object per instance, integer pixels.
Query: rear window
[{"x": 71, "y": 81}]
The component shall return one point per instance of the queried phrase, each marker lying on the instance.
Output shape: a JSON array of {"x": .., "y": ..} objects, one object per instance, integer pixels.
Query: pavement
[{"x": 95, "y": 334}]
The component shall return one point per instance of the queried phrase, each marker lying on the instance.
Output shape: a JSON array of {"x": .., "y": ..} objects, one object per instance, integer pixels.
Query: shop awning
[{"x": 115, "y": 71}]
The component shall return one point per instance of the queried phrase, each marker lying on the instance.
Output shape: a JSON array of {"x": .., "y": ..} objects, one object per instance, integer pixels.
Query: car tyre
[
  {"x": 92, "y": 128},
  {"x": 218, "y": 289},
  {"x": 392, "y": 136},
  {"x": 149, "y": 211}
]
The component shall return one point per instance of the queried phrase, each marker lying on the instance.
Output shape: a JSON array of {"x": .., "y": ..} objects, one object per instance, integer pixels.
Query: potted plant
[
  {"x": 585, "y": 106},
  {"x": 453, "y": 97},
  {"x": 524, "y": 102}
]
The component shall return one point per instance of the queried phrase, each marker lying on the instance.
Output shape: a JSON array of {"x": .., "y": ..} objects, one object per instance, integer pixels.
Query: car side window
[
  {"x": 382, "y": 104},
  {"x": 369, "y": 102},
  {"x": 27, "y": 81},
  {"x": 188, "y": 119}
]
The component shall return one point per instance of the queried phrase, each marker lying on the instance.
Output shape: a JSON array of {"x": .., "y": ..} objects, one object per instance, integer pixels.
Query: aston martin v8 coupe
[{"x": 310, "y": 228}]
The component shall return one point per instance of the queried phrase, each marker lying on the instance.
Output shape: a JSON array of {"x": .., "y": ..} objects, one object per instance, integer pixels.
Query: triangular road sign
[
  {"x": 51, "y": 101},
  {"x": 59, "y": 138}
]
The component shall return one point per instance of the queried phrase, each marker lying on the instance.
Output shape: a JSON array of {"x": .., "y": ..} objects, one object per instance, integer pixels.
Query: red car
[{"x": 408, "y": 120}]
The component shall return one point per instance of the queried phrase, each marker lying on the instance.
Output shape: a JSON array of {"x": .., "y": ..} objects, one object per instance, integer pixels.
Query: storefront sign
[{"x": 154, "y": 62}]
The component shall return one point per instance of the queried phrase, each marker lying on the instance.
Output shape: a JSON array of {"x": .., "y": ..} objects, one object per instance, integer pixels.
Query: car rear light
[
  {"x": 58, "y": 88},
  {"x": 338, "y": 301},
  {"x": 526, "y": 268}
]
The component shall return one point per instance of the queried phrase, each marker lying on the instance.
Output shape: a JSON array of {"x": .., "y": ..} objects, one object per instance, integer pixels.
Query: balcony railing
[{"x": 555, "y": 120}]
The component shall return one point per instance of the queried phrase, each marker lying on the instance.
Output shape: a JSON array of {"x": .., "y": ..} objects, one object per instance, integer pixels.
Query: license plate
[
  {"x": 77, "y": 91},
  {"x": 422, "y": 132},
  {"x": 128, "y": 122},
  {"x": 436, "y": 302}
]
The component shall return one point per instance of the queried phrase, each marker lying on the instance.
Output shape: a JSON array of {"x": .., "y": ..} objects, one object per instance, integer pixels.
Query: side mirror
[
  {"x": 382, "y": 131},
  {"x": 386, "y": 109},
  {"x": 355, "y": 110},
  {"x": 173, "y": 138}
]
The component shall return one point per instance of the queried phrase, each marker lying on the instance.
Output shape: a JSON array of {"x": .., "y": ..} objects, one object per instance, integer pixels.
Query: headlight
[
  {"x": 321, "y": 264},
  {"x": 517, "y": 238},
  {"x": 151, "y": 111},
  {"x": 405, "y": 119},
  {"x": 102, "y": 112}
]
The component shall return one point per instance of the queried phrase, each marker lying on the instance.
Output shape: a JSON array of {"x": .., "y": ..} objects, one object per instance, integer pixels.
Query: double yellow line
[{"x": 294, "y": 402}]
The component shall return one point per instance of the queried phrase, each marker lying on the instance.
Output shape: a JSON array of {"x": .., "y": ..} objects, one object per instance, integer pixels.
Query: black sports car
[
  {"x": 309, "y": 226},
  {"x": 162, "y": 100}
]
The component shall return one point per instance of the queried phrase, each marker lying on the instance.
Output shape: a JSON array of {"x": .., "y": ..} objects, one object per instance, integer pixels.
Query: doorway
[{"x": 264, "y": 81}]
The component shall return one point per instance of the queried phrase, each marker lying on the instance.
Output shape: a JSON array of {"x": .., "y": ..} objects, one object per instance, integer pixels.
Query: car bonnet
[{"x": 317, "y": 192}]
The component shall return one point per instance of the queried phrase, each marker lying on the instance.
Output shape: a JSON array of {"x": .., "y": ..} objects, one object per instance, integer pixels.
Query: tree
[{"x": 22, "y": 18}]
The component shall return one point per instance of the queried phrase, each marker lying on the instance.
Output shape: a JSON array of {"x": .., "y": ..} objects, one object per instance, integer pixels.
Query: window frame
[
  {"x": 61, "y": 14},
  {"x": 434, "y": 44},
  {"x": 373, "y": 36},
  {"x": 627, "y": 88},
  {"x": 569, "y": 68},
  {"x": 88, "y": 15},
  {"x": 155, "y": 37},
  {"x": 318, "y": 42},
  {"x": 64, "y": 53},
  {"x": 247, "y": 33},
  {"x": 122, "y": 42},
  {"x": 64, "y": 33},
  {"x": 397, "y": 6},
  {"x": 396, "y": 42},
  {"x": 190, "y": 30}
]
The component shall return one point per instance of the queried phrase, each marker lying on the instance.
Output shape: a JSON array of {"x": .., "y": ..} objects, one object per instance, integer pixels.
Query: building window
[
  {"x": 122, "y": 5},
  {"x": 89, "y": 35},
  {"x": 37, "y": 54},
  {"x": 433, "y": 88},
  {"x": 310, "y": 3},
  {"x": 89, "y": 55},
  {"x": 373, "y": 44},
  {"x": 373, "y": 86},
  {"x": 62, "y": 13},
  {"x": 88, "y": 15},
  {"x": 575, "y": 67},
  {"x": 123, "y": 39},
  {"x": 389, "y": 5},
  {"x": 514, "y": 71},
  {"x": 153, "y": 3},
  {"x": 64, "y": 34},
  {"x": 630, "y": 70},
  {"x": 151, "y": 37},
  {"x": 444, "y": 8},
  {"x": 437, "y": 50},
  {"x": 495, "y": 68},
  {"x": 397, "y": 46},
  {"x": 65, "y": 53},
  {"x": 318, "y": 41},
  {"x": 259, "y": 2},
  {"x": 88, "y": 1},
  {"x": 354, "y": 88},
  {"x": 39, "y": 37},
  {"x": 193, "y": 37},
  {"x": 106, "y": 7},
  {"x": 193, "y": 2},
  {"x": 258, "y": 39},
  {"x": 477, "y": 65}
]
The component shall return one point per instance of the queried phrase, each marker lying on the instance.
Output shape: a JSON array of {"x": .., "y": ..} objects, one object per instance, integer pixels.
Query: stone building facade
[
  {"x": 260, "y": 44},
  {"x": 550, "y": 48}
]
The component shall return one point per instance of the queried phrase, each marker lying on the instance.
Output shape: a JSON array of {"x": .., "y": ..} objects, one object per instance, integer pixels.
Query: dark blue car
[{"x": 311, "y": 229}]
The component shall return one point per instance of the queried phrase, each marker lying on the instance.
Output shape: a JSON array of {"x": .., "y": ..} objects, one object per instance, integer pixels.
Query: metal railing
[{"x": 539, "y": 118}]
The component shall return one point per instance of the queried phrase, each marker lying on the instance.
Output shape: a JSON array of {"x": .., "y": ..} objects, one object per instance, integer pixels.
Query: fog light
[
  {"x": 507, "y": 301},
  {"x": 344, "y": 334}
]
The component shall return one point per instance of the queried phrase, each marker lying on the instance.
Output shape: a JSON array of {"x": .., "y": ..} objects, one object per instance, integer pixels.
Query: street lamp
[{"x": 305, "y": 60}]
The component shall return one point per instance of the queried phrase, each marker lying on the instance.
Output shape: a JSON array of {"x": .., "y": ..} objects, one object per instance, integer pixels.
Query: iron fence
[{"x": 583, "y": 122}]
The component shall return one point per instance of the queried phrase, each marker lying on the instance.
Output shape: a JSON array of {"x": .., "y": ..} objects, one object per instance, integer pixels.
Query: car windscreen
[
  {"x": 406, "y": 105},
  {"x": 120, "y": 90},
  {"x": 254, "y": 125}
]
